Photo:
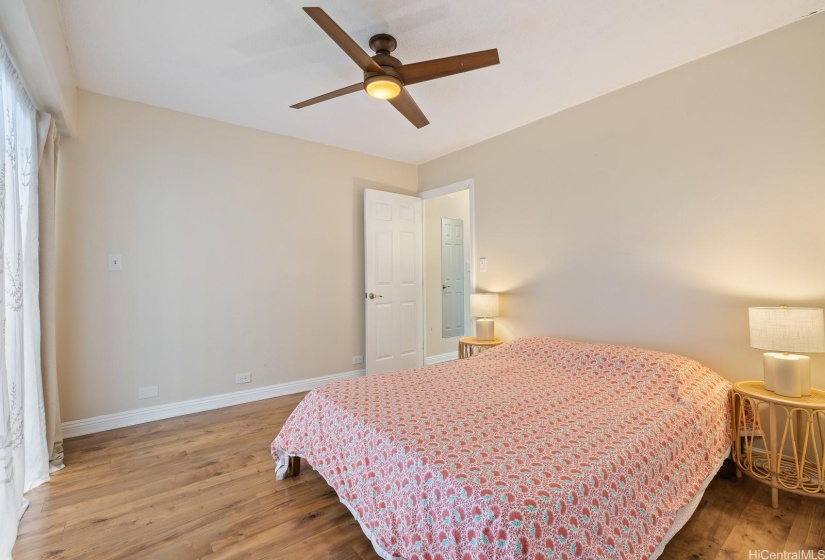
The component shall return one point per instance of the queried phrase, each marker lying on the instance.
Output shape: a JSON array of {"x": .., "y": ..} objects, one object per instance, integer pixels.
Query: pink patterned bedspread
[{"x": 540, "y": 448}]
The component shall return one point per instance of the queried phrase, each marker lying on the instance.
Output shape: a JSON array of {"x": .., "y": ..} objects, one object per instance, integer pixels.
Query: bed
[{"x": 539, "y": 448}]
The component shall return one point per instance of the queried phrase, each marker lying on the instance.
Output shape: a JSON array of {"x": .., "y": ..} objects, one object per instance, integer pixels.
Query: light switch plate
[
  {"x": 482, "y": 264},
  {"x": 115, "y": 261}
]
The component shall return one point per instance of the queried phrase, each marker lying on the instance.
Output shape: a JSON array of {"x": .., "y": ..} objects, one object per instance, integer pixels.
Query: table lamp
[
  {"x": 484, "y": 307},
  {"x": 785, "y": 330}
]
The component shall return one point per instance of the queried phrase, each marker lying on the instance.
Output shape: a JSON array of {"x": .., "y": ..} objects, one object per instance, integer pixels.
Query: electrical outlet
[
  {"x": 148, "y": 392},
  {"x": 357, "y": 360},
  {"x": 243, "y": 378}
]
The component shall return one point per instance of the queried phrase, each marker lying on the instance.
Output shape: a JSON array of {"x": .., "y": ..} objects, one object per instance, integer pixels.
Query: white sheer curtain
[{"x": 24, "y": 456}]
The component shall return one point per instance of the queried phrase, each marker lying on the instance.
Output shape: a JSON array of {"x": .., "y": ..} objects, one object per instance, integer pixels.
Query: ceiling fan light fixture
[
  {"x": 383, "y": 87},
  {"x": 384, "y": 75}
]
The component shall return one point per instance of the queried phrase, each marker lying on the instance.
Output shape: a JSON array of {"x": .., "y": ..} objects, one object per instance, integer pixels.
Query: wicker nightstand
[
  {"x": 470, "y": 346},
  {"x": 787, "y": 453}
]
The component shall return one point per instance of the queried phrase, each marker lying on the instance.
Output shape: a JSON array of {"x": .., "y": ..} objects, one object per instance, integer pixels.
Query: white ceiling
[{"x": 245, "y": 62}]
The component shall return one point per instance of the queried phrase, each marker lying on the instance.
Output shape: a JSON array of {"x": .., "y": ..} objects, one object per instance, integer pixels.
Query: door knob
[
  {"x": 373, "y": 296},
  {"x": 443, "y": 287}
]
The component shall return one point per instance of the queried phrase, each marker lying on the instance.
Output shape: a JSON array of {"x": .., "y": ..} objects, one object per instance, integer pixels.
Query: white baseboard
[
  {"x": 95, "y": 424},
  {"x": 438, "y": 358}
]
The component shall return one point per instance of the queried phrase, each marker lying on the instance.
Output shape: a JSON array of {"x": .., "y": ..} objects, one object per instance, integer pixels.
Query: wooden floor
[{"x": 203, "y": 486}]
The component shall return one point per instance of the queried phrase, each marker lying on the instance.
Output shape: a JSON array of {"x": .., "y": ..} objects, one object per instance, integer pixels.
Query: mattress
[{"x": 540, "y": 448}]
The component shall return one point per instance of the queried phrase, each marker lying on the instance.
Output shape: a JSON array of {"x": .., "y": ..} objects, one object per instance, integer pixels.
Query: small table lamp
[
  {"x": 484, "y": 307},
  {"x": 785, "y": 330}
]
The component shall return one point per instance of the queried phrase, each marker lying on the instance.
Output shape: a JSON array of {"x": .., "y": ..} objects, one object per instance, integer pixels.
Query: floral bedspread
[{"x": 540, "y": 448}]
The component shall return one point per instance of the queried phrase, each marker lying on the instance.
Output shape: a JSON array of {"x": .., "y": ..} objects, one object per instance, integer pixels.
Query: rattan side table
[
  {"x": 470, "y": 346},
  {"x": 787, "y": 453}
]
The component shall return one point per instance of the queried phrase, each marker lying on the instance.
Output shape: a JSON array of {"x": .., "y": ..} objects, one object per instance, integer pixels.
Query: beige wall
[
  {"x": 454, "y": 205},
  {"x": 242, "y": 251},
  {"x": 655, "y": 215},
  {"x": 651, "y": 216}
]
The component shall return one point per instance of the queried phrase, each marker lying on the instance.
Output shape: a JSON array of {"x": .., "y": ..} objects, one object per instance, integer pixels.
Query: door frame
[{"x": 467, "y": 184}]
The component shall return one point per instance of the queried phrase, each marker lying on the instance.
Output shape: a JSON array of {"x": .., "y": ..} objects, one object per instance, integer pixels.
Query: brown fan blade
[
  {"x": 331, "y": 95},
  {"x": 343, "y": 40},
  {"x": 407, "y": 106},
  {"x": 440, "y": 67}
]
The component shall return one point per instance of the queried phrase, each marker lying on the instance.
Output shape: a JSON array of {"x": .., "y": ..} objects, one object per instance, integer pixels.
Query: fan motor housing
[{"x": 388, "y": 71}]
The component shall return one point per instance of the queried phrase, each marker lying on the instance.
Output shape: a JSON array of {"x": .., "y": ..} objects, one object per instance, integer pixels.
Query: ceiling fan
[{"x": 384, "y": 75}]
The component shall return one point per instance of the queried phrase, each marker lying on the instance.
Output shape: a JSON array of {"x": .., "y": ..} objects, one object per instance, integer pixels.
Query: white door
[
  {"x": 394, "y": 281},
  {"x": 452, "y": 277}
]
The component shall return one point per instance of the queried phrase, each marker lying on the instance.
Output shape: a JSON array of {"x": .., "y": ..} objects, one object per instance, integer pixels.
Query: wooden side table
[
  {"x": 787, "y": 454},
  {"x": 470, "y": 346}
]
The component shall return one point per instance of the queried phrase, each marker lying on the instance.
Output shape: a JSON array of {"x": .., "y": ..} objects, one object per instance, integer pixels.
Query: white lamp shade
[
  {"x": 484, "y": 305},
  {"x": 787, "y": 329}
]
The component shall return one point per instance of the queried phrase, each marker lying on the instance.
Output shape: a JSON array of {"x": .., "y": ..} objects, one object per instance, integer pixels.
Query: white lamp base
[
  {"x": 769, "y": 369},
  {"x": 788, "y": 375},
  {"x": 485, "y": 329}
]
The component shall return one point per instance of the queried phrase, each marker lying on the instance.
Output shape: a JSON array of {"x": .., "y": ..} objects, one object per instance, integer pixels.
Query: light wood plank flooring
[{"x": 203, "y": 486}]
